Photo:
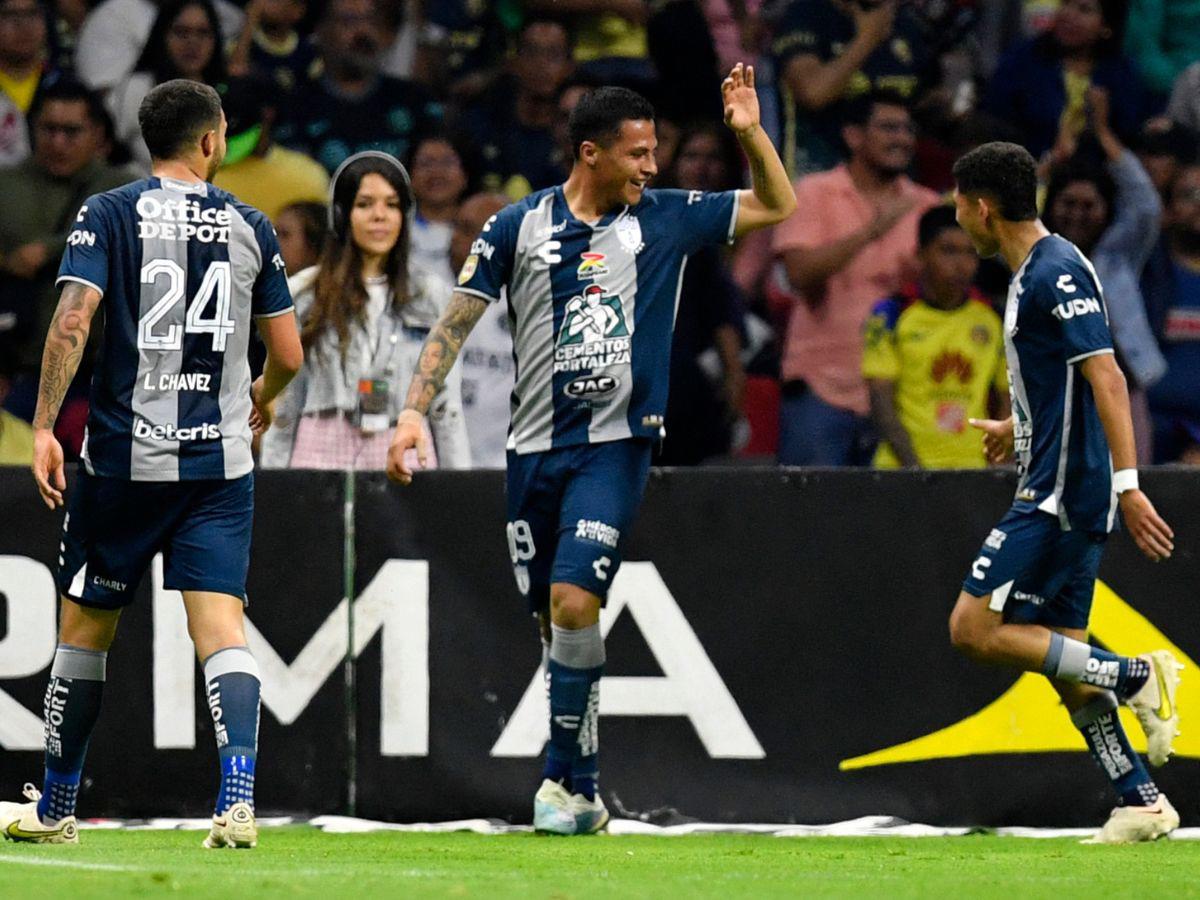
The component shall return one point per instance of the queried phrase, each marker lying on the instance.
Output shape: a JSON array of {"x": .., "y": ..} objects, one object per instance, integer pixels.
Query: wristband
[{"x": 1125, "y": 480}]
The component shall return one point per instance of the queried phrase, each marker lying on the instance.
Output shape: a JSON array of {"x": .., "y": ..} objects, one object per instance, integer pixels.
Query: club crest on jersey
[
  {"x": 594, "y": 265},
  {"x": 629, "y": 233},
  {"x": 468, "y": 269},
  {"x": 594, "y": 333}
]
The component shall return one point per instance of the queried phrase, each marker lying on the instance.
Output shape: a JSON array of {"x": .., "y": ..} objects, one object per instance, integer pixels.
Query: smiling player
[{"x": 592, "y": 269}]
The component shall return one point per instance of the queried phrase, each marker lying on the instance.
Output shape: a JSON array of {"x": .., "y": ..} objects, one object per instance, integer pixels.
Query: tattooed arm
[
  {"x": 64, "y": 348},
  {"x": 437, "y": 358},
  {"x": 771, "y": 200}
]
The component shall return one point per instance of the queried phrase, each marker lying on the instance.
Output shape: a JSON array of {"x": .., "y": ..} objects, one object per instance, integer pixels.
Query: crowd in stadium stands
[{"x": 861, "y": 332}]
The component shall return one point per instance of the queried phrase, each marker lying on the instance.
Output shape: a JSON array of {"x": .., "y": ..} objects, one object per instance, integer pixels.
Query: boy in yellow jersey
[{"x": 934, "y": 358}]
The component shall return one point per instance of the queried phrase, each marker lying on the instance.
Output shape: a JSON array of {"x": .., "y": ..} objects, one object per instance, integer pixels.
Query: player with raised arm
[
  {"x": 181, "y": 268},
  {"x": 592, "y": 269},
  {"x": 1027, "y": 599}
]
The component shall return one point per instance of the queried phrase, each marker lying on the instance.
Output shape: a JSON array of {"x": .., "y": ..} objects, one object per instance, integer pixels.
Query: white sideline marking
[{"x": 70, "y": 864}]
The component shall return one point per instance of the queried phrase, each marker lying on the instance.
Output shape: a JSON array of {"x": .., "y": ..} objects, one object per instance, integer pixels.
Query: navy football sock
[
  {"x": 1110, "y": 748},
  {"x": 71, "y": 708},
  {"x": 575, "y": 666},
  {"x": 233, "y": 699},
  {"x": 1072, "y": 660}
]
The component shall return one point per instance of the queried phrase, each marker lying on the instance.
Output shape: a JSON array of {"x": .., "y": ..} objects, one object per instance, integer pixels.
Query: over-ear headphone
[{"x": 339, "y": 216}]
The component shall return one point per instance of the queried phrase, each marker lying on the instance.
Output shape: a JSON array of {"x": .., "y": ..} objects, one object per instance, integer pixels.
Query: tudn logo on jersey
[
  {"x": 143, "y": 430},
  {"x": 1069, "y": 309},
  {"x": 182, "y": 220},
  {"x": 594, "y": 333}
]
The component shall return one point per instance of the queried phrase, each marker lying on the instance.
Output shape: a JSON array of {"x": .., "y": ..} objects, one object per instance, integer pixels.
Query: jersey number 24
[{"x": 216, "y": 285}]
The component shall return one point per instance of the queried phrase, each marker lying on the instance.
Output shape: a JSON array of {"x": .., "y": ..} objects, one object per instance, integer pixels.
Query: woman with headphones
[{"x": 363, "y": 319}]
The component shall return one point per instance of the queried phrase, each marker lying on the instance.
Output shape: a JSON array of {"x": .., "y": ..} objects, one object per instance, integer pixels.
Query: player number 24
[{"x": 216, "y": 284}]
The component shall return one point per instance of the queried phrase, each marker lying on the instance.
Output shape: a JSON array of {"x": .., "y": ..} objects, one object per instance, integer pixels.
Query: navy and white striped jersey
[
  {"x": 182, "y": 269},
  {"x": 1056, "y": 318},
  {"x": 592, "y": 308}
]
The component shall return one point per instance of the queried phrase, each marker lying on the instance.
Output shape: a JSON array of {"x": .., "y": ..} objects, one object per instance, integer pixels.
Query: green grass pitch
[{"x": 303, "y": 862}]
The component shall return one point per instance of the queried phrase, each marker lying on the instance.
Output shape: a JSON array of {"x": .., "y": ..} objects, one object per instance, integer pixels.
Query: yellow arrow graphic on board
[{"x": 1029, "y": 718}]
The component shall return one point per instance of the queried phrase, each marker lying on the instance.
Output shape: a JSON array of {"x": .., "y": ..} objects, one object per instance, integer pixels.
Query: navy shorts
[
  {"x": 114, "y": 528},
  {"x": 568, "y": 512},
  {"x": 1036, "y": 572}
]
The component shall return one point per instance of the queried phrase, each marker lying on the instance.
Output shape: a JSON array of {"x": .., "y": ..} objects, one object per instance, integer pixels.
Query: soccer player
[
  {"x": 1027, "y": 598},
  {"x": 593, "y": 269},
  {"x": 181, "y": 268}
]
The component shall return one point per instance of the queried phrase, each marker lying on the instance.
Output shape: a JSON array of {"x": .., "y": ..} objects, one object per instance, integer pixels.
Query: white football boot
[
  {"x": 237, "y": 829},
  {"x": 553, "y": 809},
  {"x": 590, "y": 815},
  {"x": 1154, "y": 705},
  {"x": 21, "y": 822},
  {"x": 1135, "y": 824}
]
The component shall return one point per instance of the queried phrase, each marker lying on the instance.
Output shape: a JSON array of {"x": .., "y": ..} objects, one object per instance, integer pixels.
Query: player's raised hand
[
  {"x": 48, "y": 469},
  {"x": 410, "y": 433},
  {"x": 740, "y": 99},
  {"x": 997, "y": 439},
  {"x": 1152, "y": 535}
]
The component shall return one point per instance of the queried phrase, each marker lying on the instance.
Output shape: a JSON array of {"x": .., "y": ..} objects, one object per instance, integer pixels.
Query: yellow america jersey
[{"x": 943, "y": 364}]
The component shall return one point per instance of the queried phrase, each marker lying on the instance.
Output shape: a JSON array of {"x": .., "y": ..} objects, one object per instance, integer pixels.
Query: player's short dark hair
[
  {"x": 936, "y": 220},
  {"x": 858, "y": 111},
  {"x": 598, "y": 115},
  {"x": 1003, "y": 172},
  {"x": 175, "y": 114}
]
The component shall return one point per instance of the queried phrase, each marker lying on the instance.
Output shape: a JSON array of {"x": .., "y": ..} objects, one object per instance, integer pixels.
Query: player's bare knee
[
  {"x": 87, "y": 629},
  {"x": 971, "y": 629},
  {"x": 573, "y": 607}
]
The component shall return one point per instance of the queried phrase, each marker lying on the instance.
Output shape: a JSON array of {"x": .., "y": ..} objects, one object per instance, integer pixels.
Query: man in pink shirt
[{"x": 851, "y": 241}]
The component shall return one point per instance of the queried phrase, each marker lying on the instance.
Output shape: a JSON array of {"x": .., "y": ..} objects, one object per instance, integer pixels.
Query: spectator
[
  {"x": 1163, "y": 146},
  {"x": 610, "y": 43},
  {"x": 16, "y": 436},
  {"x": 1114, "y": 215},
  {"x": 486, "y": 362},
  {"x": 934, "y": 358},
  {"x": 42, "y": 196},
  {"x": 736, "y": 29},
  {"x": 364, "y": 317},
  {"x": 300, "y": 228},
  {"x": 353, "y": 107},
  {"x": 256, "y": 169},
  {"x": 1184, "y": 105},
  {"x": 852, "y": 240},
  {"x": 703, "y": 403},
  {"x": 116, "y": 32},
  {"x": 461, "y": 46},
  {"x": 1041, "y": 85},
  {"x": 271, "y": 45},
  {"x": 514, "y": 124},
  {"x": 1163, "y": 38},
  {"x": 828, "y": 52},
  {"x": 184, "y": 43},
  {"x": 1171, "y": 286},
  {"x": 439, "y": 180},
  {"x": 23, "y": 67}
]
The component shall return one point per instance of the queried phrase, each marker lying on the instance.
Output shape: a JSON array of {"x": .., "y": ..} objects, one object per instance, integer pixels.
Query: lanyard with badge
[{"x": 373, "y": 414}]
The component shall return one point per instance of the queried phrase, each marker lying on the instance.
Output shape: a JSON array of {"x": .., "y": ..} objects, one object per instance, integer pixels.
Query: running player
[
  {"x": 1026, "y": 601},
  {"x": 181, "y": 268},
  {"x": 592, "y": 269}
]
